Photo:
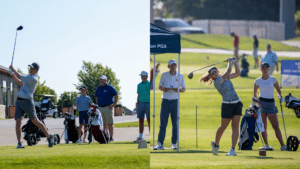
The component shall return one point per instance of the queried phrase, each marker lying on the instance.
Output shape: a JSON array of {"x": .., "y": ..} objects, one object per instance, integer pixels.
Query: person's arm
[
  {"x": 15, "y": 71},
  {"x": 237, "y": 71},
  {"x": 161, "y": 84},
  {"x": 255, "y": 90},
  {"x": 17, "y": 80},
  {"x": 276, "y": 61},
  {"x": 116, "y": 98},
  {"x": 228, "y": 71},
  {"x": 137, "y": 102},
  {"x": 276, "y": 85}
]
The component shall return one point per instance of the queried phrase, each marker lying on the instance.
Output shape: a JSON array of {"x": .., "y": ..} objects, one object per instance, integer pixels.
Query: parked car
[
  {"x": 177, "y": 25},
  {"x": 46, "y": 106}
]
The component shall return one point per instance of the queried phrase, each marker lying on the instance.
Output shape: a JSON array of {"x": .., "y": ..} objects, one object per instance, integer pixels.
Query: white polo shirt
[
  {"x": 171, "y": 81},
  {"x": 266, "y": 87}
]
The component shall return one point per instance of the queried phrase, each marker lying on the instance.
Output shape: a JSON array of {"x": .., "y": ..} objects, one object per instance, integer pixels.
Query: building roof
[{"x": 5, "y": 71}]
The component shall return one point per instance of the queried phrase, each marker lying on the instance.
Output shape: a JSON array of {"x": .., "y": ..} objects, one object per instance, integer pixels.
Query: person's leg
[
  {"x": 235, "y": 130},
  {"x": 85, "y": 131},
  {"x": 173, "y": 111},
  {"x": 141, "y": 126},
  {"x": 224, "y": 123},
  {"x": 79, "y": 130},
  {"x": 140, "y": 116},
  {"x": 18, "y": 129},
  {"x": 274, "y": 121},
  {"x": 40, "y": 125},
  {"x": 256, "y": 61},
  {"x": 264, "y": 134},
  {"x": 111, "y": 130},
  {"x": 148, "y": 120},
  {"x": 164, "y": 117}
]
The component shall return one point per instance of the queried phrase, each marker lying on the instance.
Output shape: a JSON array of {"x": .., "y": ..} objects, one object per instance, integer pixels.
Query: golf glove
[
  {"x": 254, "y": 101},
  {"x": 11, "y": 72},
  {"x": 233, "y": 59},
  {"x": 280, "y": 99}
]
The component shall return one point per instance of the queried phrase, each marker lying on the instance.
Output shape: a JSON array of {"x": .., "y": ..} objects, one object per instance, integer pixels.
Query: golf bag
[
  {"x": 292, "y": 102},
  {"x": 33, "y": 134},
  {"x": 71, "y": 130},
  {"x": 248, "y": 133},
  {"x": 96, "y": 128},
  {"x": 245, "y": 65}
]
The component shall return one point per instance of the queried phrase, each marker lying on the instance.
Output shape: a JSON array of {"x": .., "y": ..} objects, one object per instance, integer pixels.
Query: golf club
[
  {"x": 196, "y": 128},
  {"x": 259, "y": 134},
  {"x": 283, "y": 119},
  {"x": 18, "y": 29},
  {"x": 190, "y": 76}
]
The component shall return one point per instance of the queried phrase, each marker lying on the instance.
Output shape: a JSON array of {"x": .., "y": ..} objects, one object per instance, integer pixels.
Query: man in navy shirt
[{"x": 107, "y": 98}]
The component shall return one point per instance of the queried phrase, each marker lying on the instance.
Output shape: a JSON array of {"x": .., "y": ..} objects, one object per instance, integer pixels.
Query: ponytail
[{"x": 206, "y": 78}]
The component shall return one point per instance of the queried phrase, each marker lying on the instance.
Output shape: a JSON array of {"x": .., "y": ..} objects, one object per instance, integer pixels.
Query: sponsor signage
[{"x": 290, "y": 73}]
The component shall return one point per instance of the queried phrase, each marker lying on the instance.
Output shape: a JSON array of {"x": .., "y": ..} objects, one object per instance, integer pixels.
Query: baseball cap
[
  {"x": 172, "y": 61},
  {"x": 211, "y": 70},
  {"x": 83, "y": 86},
  {"x": 103, "y": 77},
  {"x": 144, "y": 73},
  {"x": 268, "y": 45},
  {"x": 35, "y": 65},
  {"x": 264, "y": 64}
]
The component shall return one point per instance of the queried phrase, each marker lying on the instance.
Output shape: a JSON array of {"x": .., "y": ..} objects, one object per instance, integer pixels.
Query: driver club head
[
  {"x": 190, "y": 76},
  {"x": 20, "y": 28}
]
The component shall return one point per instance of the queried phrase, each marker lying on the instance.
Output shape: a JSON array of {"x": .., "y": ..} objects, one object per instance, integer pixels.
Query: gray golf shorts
[
  {"x": 25, "y": 106},
  {"x": 229, "y": 110}
]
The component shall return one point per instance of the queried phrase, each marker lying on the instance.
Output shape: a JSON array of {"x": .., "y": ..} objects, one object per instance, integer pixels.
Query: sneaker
[
  {"x": 284, "y": 148},
  {"x": 51, "y": 140},
  {"x": 231, "y": 152},
  {"x": 67, "y": 142},
  {"x": 20, "y": 145},
  {"x": 214, "y": 148},
  {"x": 138, "y": 140},
  {"x": 159, "y": 146},
  {"x": 173, "y": 146},
  {"x": 84, "y": 141},
  {"x": 111, "y": 140},
  {"x": 78, "y": 141},
  {"x": 268, "y": 148}
]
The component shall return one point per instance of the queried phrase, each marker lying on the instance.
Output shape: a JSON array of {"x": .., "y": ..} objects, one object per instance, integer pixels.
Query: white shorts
[{"x": 255, "y": 53}]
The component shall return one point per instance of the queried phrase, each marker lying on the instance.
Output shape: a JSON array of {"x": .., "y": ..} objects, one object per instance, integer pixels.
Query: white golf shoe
[
  {"x": 267, "y": 147},
  {"x": 173, "y": 146},
  {"x": 284, "y": 148},
  {"x": 159, "y": 146},
  {"x": 231, "y": 152},
  {"x": 84, "y": 141},
  {"x": 78, "y": 141},
  {"x": 214, "y": 148}
]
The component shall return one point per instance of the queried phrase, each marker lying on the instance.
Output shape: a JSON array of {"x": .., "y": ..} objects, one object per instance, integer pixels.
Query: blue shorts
[
  {"x": 142, "y": 109},
  {"x": 83, "y": 117}
]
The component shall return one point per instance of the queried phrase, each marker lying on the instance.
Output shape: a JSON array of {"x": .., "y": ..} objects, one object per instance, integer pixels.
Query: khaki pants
[{"x": 107, "y": 115}]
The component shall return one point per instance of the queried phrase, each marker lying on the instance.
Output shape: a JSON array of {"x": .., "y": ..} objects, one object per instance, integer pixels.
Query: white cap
[
  {"x": 144, "y": 73},
  {"x": 103, "y": 77},
  {"x": 172, "y": 61}
]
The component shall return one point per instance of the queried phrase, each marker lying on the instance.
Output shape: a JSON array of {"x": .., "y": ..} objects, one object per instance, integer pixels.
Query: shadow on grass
[
  {"x": 184, "y": 151},
  {"x": 203, "y": 44},
  {"x": 148, "y": 142},
  {"x": 261, "y": 157}
]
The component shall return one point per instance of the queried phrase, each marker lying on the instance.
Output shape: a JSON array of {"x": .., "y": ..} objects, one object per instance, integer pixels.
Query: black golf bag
[
  {"x": 71, "y": 130},
  {"x": 292, "y": 102},
  {"x": 32, "y": 134},
  {"x": 245, "y": 65}
]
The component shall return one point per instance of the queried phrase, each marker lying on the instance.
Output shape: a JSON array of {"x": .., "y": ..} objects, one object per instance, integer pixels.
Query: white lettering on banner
[
  {"x": 286, "y": 71},
  {"x": 152, "y": 46},
  {"x": 161, "y": 46}
]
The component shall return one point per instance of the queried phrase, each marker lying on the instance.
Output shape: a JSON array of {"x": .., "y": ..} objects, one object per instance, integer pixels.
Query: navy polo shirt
[{"x": 106, "y": 95}]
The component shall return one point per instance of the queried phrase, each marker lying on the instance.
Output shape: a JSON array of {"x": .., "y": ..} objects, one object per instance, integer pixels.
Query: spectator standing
[
  {"x": 107, "y": 98},
  {"x": 236, "y": 45},
  {"x": 151, "y": 75},
  {"x": 143, "y": 103},
  {"x": 255, "y": 51},
  {"x": 271, "y": 58}
]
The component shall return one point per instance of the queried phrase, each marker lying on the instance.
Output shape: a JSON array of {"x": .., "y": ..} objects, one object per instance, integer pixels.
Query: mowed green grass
[
  {"x": 214, "y": 41},
  {"x": 209, "y": 119},
  {"x": 113, "y": 155}
]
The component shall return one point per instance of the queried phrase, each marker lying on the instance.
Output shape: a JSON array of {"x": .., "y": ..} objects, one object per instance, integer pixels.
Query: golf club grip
[{"x": 209, "y": 65}]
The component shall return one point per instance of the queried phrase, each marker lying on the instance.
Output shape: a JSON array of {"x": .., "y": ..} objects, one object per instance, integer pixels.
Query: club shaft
[
  {"x": 283, "y": 120},
  {"x": 259, "y": 133},
  {"x": 12, "y": 60},
  {"x": 196, "y": 129},
  {"x": 209, "y": 66}
]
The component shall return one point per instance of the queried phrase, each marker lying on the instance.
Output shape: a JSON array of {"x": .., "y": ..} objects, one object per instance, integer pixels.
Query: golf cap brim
[
  {"x": 144, "y": 73},
  {"x": 83, "y": 87},
  {"x": 103, "y": 77},
  {"x": 264, "y": 64},
  {"x": 211, "y": 70},
  {"x": 172, "y": 61},
  {"x": 35, "y": 66}
]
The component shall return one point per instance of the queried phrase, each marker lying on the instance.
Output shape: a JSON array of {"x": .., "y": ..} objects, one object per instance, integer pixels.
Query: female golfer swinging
[
  {"x": 231, "y": 109},
  {"x": 266, "y": 85}
]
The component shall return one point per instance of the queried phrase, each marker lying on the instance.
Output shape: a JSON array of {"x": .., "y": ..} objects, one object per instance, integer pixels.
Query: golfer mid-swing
[
  {"x": 25, "y": 103},
  {"x": 231, "y": 109}
]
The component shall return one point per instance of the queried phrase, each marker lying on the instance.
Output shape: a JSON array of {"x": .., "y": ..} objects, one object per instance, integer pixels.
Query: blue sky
[{"x": 59, "y": 35}]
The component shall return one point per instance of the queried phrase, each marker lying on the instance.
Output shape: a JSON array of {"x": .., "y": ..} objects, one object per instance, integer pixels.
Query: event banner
[{"x": 290, "y": 73}]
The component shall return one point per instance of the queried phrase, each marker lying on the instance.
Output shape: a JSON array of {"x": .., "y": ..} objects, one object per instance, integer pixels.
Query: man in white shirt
[
  {"x": 271, "y": 58},
  {"x": 169, "y": 85}
]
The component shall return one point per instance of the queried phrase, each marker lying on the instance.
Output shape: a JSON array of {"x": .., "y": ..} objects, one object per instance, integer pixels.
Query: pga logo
[{"x": 161, "y": 46}]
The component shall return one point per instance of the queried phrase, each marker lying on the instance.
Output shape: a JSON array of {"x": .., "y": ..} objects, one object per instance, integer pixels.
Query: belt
[
  {"x": 266, "y": 100},
  {"x": 170, "y": 100},
  {"x": 19, "y": 98},
  {"x": 104, "y": 106},
  {"x": 232, "y": 102}
]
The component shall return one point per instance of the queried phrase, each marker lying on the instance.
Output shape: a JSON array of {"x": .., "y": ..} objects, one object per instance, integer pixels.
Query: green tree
[
  {"x": 90, "y": 74},
  {"x": 41, "y": 88},
  {"x": 66, "y": 99}
]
